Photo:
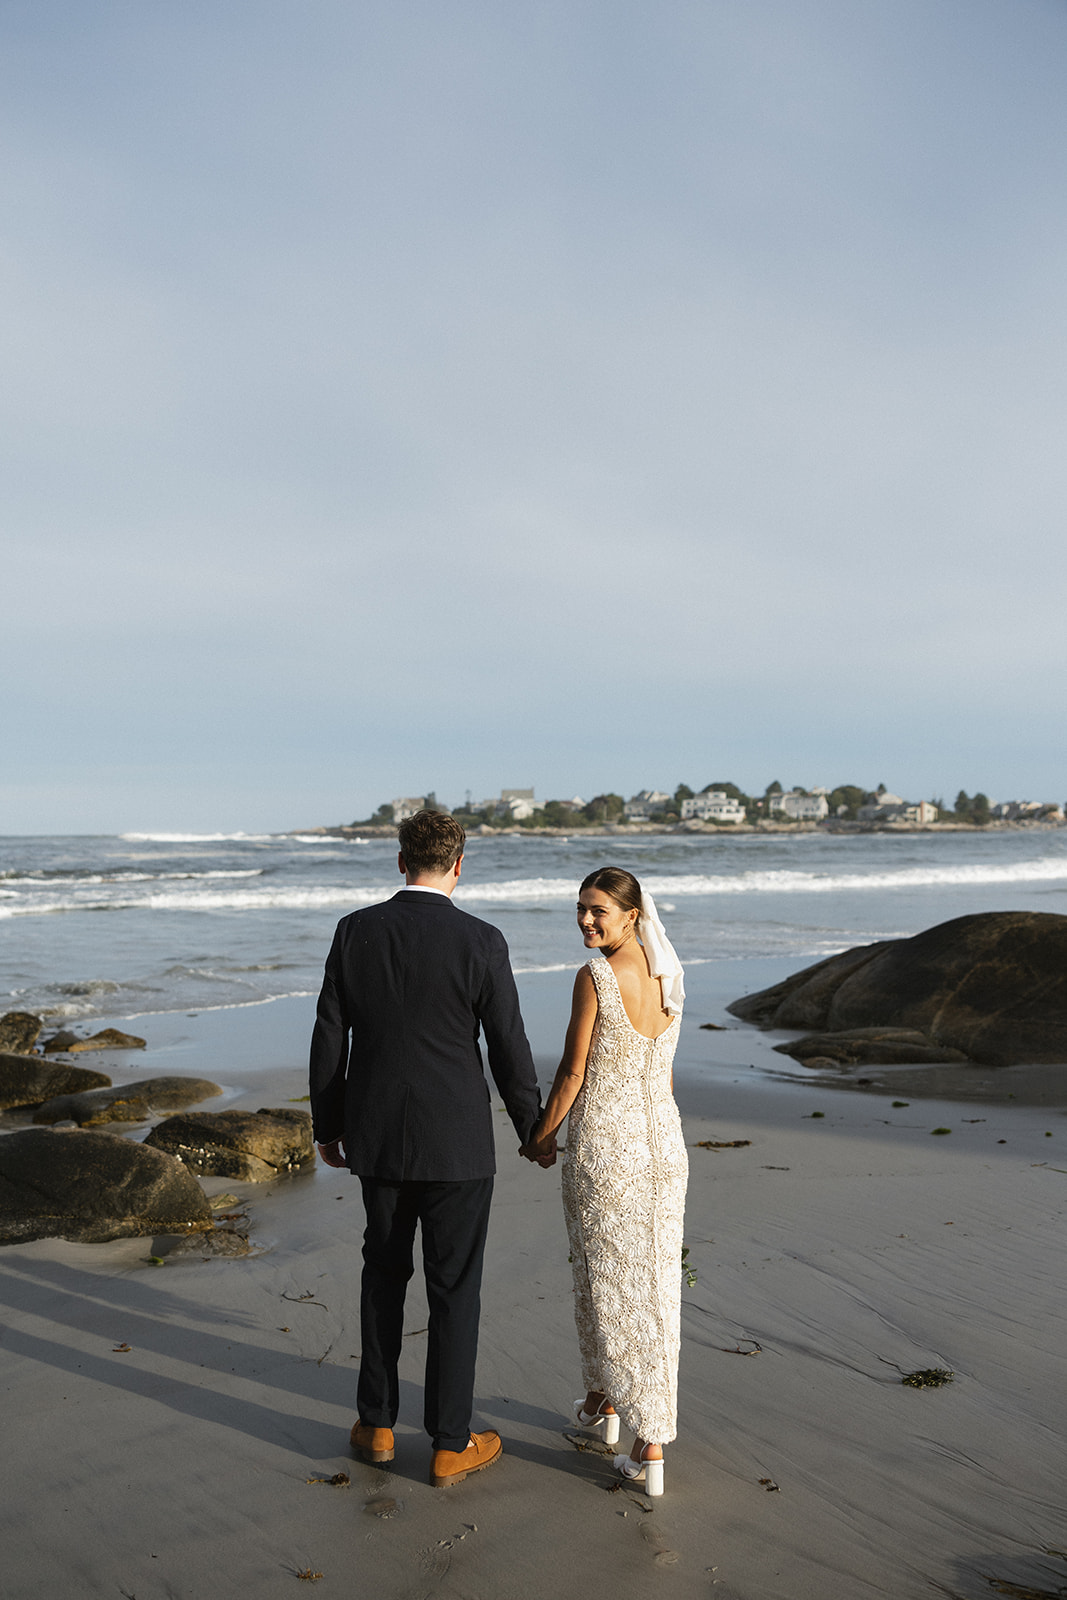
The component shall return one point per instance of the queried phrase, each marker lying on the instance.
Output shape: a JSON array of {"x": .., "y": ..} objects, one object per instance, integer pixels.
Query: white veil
[{"x": 662, "y": 959}]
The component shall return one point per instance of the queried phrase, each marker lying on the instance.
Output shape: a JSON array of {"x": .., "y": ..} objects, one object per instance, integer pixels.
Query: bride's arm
[{"x": 570, "y": 1075}]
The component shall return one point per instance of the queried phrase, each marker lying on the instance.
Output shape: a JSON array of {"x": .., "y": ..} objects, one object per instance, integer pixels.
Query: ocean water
[{"x": 118, "y": 927}]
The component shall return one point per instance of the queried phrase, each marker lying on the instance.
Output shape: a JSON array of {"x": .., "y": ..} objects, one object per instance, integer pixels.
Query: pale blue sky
[{"x": 583, "y": 395}]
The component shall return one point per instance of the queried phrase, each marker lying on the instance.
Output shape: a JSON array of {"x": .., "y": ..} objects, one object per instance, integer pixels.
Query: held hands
[
  {"x": 541, "y": 1150},
  {"x": 332, "y": 1154}
]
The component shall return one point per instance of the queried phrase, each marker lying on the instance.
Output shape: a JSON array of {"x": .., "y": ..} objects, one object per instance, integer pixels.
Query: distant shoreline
[{"x": 729, "y": 830}]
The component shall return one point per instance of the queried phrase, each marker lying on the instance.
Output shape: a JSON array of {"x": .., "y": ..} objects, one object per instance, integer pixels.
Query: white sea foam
[
  {"x": 784, "y": 881},
  {"x": 551, "y": 966},
  {"x": 321, "y": 838},
  {"x": 35, "y": 880},
  {"x": 225, "y": 1005},
  {"x": 270, "y": 895},
  {"x": 266, "y": 899},
  {"x": 196, "y": 838}
]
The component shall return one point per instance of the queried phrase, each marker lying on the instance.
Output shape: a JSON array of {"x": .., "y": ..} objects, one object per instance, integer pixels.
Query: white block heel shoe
[
  {"x": 648, "y": 1472},
  {"x": 602, "y": 1418}
]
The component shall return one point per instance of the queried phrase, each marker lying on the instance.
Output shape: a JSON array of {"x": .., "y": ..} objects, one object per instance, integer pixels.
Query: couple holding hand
[{"x": 399, "y": 1097}]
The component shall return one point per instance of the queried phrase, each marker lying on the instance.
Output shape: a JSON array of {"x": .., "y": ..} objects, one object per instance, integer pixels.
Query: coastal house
[
  {"x": 878, "y": 807},
  {"x": 891, "y": 808},
  {"x": 800, "y": 806},
  {"x": 713, "y": 805},
  {"x": 517, "y": 804},
  {"x": 407, "y": 806},
  {"x": 645, "y": 804},
  {"x": 1027, "y": 811}
]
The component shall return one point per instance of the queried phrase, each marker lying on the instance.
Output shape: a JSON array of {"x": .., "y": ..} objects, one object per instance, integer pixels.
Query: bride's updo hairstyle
[{"x": 622, "y": 886}]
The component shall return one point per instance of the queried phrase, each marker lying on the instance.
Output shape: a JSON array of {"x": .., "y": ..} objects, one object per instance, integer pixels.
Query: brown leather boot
[
  {"x": 452, "y": 1466},
  {"x": 372, "y": 1444}
]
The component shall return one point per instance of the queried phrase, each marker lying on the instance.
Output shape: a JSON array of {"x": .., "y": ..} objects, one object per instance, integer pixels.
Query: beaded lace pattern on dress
[{"x": 624, "y": 1176}]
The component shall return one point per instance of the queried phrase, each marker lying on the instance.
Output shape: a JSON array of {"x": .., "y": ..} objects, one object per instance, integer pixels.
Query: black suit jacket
[{"x": 412, "y": 980}]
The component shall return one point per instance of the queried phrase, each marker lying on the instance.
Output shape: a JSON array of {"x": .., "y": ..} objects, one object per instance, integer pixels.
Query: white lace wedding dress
[{"x": 625, "y": 1171}]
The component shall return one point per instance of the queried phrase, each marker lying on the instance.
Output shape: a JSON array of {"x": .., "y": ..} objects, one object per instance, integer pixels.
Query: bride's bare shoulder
[
  {"x": 630, "y": 967},
  {"x": 583, "y": 980}
]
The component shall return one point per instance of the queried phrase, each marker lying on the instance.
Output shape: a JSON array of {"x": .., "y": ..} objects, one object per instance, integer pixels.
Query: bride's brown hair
[{"x": 622, "y": 886}]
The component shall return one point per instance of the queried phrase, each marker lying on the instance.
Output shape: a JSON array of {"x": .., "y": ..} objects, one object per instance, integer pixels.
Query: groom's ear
[
  {"x": 458, "y": 868},
  {"x": 402, "y": 864}
]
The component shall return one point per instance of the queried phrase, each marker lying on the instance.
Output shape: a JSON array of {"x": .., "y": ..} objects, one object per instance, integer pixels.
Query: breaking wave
[
  {"x": 114, "y": 894},
  {"x": 785, "y": 881}
]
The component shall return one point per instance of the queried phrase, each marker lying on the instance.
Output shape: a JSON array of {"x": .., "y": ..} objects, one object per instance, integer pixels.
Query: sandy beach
[{"x": 842, "y": 1246}]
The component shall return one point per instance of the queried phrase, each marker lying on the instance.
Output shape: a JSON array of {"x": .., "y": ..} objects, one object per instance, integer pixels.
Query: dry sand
[{"x": 851, "y": 1247}]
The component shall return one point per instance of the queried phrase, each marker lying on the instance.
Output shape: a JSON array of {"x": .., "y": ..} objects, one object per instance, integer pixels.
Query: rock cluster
[
  {"x": 253, "y": 1146},
  {"x": 107, "y": 1039},
  {"x": 989, "y": 988},
  {"x": 127, "y": 1102},
  {"x": 92, "y": 1187},
  {"x": 18, "y": 1032},
  {"x": 29, "y": 1080},
  {"x": 869, "y": 1047}
]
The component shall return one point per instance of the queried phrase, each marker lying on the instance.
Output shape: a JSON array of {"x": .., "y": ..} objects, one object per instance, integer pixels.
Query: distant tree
[
  {"x": 727, "y": 788},
  {"x": 962, "y": 807},
  {"x": 980, "y": 810},
  {"x": 849, "y": 795},
  {"x": 605, "y": 808},
  {"x": 470, "y": 816},
  {"x": 384, "y": 813},
  {"x": 773, "y": 788},
  {"x": 556, "y": 815},
  {"x": 881, "y": 789},
  {"x": 683, "y": 792}
]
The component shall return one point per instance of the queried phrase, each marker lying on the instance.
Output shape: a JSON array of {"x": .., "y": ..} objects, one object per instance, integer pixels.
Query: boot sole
[{"x": 457, "y": 1477}]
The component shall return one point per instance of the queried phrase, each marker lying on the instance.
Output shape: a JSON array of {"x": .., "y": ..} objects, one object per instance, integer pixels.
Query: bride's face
[{"x": 602, "y": 922}]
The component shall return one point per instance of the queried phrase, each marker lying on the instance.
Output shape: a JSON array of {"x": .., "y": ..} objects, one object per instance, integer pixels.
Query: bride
[{"x": 624, "y": 1169}]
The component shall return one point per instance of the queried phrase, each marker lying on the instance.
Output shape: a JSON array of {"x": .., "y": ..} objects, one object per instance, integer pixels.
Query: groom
[{"x": 406, "y": 1107}]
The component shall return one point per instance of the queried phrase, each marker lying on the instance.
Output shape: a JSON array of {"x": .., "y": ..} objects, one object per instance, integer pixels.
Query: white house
[
  {"x": 799, "y": 806},
  {"x": 714, "y": 805},
  {"x": 518, "y": 804},
  {"x": 407, "y": 806},
  {"x": 645, "y": 804}
]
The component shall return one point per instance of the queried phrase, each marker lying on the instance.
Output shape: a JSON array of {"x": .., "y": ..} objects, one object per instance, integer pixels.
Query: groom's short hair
[{"x": 430, "y": 841}]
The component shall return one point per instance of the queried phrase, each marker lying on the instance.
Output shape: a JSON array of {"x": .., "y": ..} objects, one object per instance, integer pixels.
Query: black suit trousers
[{"x": 454, "y": 1218}]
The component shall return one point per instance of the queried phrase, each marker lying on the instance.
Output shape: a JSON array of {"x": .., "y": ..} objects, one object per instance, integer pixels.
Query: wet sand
[{"x": 845, "y": 1239}]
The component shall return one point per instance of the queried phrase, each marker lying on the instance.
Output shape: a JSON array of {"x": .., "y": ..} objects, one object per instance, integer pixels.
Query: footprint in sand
[
  {"x": 661, "y": 1557},
  {"x": 382, "y": 1506}
]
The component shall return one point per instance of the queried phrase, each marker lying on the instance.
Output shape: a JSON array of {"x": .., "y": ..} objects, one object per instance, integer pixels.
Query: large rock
[
  {"x": 254, "y": 1146},
  {"x": 803, "y": 1000},
  {"x": 865, "y": 1047},
  {"x": 126, "y": 1102},
  {"x": 992, "y": 986},
  {"x": 18, "y": 1032},
  {"x": 59, "y": 1041},
  {"x": 29, "y": 1081},
  {"x": 108, "y": 1039},
  {"x": 92, "y": 1187}
]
